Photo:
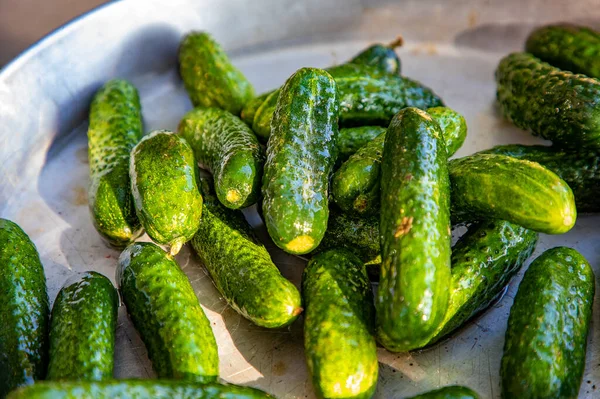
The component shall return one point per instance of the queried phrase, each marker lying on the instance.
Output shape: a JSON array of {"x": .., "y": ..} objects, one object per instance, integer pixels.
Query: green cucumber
[
  {"x": 381, "y": 56},
  {"x": 453, "y": 125},
  {"x": 165, "y": 311},
  {"x": 261, "y": 125},
  {"x": 351, "y": 139},
  {"x": 339, "y": 322},
  {"x": 301, "y": 153},
  {"x": 580, "y": 170},
  {"x": 567, "y": 46},
  {"x": 449, "y": 392},
  {"x": 115, "y": 128},
  {"x": 249, "y": 110},
  {"x": 241, "y": 267},
  {"x": 415, "y": 232},
  {"x": 24, "y": 310},
  {"x": 554, "y": 104},
  {"x": 209, "y": 77},
  {"x": 163, "y": 181},
  {"x": 490, "y": 186},
  {"x": 545, "y": 344},
  {"x": 136, "y": 389},
  {"x": 82, "y": 329},
  {"x": 229, "y": 150}
]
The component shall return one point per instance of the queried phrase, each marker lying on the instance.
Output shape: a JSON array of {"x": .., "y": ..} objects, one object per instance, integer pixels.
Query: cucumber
[
  {"x": 449, "y": 392},
  {"x": 301, "y": 153},
  {"x": 355, "y": 186},
  {"x": 82, "y": 329},
  {"x": 136, "y": 389},
  {"x": 554, "y": 104},
  {"x": 165, "y": 311},
  {"x": 381, "y": 56},
  {"x": 115, "y": 128},
  {"x": 229, "y": 150},
  {"x": 415, "y": 232},
  {"x": 163, "y": 181},
  {"x": 545, "y": 344},
  {"x": 241, "y": 267},
  {"x": 339, "y": 322},
  {"x": 24, "y": 310},
  {"x": 209, "y": 77},
  {"x": 567, "y": 46},
  {"x": 261, "y": 125},
  {"x": 351, "y": 139},
  {"x": 580, "y": 170},
  {"x": 489, "y": 186},
  {"x": 249, "y": 110}
]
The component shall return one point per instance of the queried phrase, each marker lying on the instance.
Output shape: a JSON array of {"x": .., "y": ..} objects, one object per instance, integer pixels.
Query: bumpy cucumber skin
[
  {"x": 165, "y": 311},
  {"x": 24, "y": 310},
  {"x": 580, "y": 170},
  {"x": 261, "y": 125},
  {"x": 449, "y": 392},
  {"x": 82, "y": 329},
  {"x": 415, "y": 232},
  {"x": 115, "y": 128},
  {"x": 209, "y": 77},
  {"x": 380, "y": 56},
  {"x": 545, "y": 345},
  {"x": 491, "y": 186},
  {"x": 241, "y": 267},
  {"x": 163, "y": 181},
  {"x": 230, "y": 151},
  {"x": 351, "y": 139},
  {"x": 138, "y": 389},
  {"x": 566, "y": 46},
  {"x": 341, "y": 352},
  {"x": 556, "y": 105},
  {"x": 249, "y": 110},
  {"x": 301, "y": 153}
]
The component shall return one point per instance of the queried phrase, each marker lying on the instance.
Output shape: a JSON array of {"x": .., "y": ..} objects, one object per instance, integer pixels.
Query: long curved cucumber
[{"x": 449, "y": 392}]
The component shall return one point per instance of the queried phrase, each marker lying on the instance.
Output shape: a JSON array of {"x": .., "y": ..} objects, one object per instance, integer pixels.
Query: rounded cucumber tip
[{"x": 300, "y": 245}]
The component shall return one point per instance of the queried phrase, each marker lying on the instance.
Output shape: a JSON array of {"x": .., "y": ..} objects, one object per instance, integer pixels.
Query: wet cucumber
[
  {"x": 24, "y": 310},
  {"x": 209, "y": 77},
  {"x": 163, "y": 181},
  {"x": 449, "y": 392},
  {"x": 490, "y": 186},
  {"x": 341, "y": 352},
  {"x": 136, "y": 389},
  {"x": 351, "y": 139},
  {"x": 115, "y": 128},
  {"x": 301, "y": 153},
  {"x": 554, "y": 104},
  {"x": 241, "y": 267},
  {"x": 261, "y": 125},
  {"x": 566, "y": 46},
  {"x": 82, "y": 329},
  {"x": 165, "y": 311},
  {"x": 415, "y": 232},
  {"x": 545, "y": 344},
  {"x": 453, "y": 125},
  {"x": 381, "y": 56},
  {"x": 249, "y": 110},
  {"x": 229, "y": 150}
]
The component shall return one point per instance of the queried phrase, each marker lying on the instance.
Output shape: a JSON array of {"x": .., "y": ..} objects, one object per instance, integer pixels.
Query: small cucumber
[
  {"x": 165, "y": 311},
  {"x": 449, "y": 392},
  {"x": 381, "y": 56},
  {"x": 249, "y": 110},
  {"x": 24, "y": 310},
  {"x": 453, "y": 125},
  {"x": 163, "y": 181},
  {"x": 115, "y": 128},
  {"x": 209, "y": 77},
  {"x": 415, "y": 232},
  {"x": 301, "y": 153},
  {"x": 489, "y": 186},
  {"x": 545, "y": 344},
  {"x": 341, "y": 352},
  {"x": 229, "y": 150},
  {"x": 351, "y": 139},
  {"x": 261, "y": 125},
  {"x": 82, "y": 329}
]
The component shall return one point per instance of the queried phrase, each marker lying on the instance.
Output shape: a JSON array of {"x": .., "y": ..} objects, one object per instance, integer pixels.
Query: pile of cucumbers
[{"x": 350, "y": 167}]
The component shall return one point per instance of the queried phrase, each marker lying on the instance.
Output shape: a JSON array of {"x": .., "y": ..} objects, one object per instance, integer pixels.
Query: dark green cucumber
[
  {"x": 82, "y": 329},
  {"x": 229, "y": 150},
  {"x": 209, "y": 77},
  {"x": 301, "y": 153},
  {"x": 136, "y": 389},
  {"x": 554, "y": 104},
  {"x": 545, "y": 344},
  {"x": 339, "y": 322},
  {"x": 381, "y": 56},
  {"x": 241, "y": 267},
  {"x": 580, "y": 170},
  {"x": 449, "y": 392},
  {"x": 163, "y": 181},
  {"x": 115, "y": 128},
  {"x": 355, "y": 186},
  {"x": 24, "y": 310},
  {"x": 567, "y": 46},
  {"x": 490, "y": 186},
  {"x": 351, "y": 139},
  {"x": 261, "y": 125},
  {"x": 165, "y": 311},
  {"x": 415, "y": 232},
  {"x": 249, "y": 110}
]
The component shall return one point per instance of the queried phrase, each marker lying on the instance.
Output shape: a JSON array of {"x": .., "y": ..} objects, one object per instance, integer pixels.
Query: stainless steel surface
[{"x": 453, "y": 48}]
